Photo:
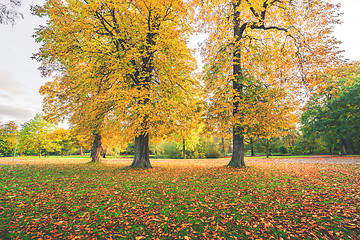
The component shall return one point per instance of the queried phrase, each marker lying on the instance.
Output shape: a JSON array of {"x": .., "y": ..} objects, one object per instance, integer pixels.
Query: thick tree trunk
[
  {"x": 252, "y": 147},
  {"x": 184, "y": 149},
  {"x": 40, "y": 153},
  {"x": 237, "y": 158},
  {"x": 81, "y": 151},
  {"x": 96, "y": 150},
  {"x": 141, "y": 152}
]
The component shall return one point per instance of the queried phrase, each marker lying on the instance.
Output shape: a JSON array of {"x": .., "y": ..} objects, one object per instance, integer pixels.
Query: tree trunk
[
  {"x": 96, "y": 150},
  {"x": 343, "y": 142},
  {"x": 237, "y": 159},
  {"x": 312, "y": 148},
  {"x": 184, "y": 149},
  {"x": 141, "y": 152},
  {"x": 267, "y": 148},
  {"x": 40, "y": 153},
  {"x": 81, "y": 151},
  {"x": 223, "y": 146},
  {"x": 330, "y": 149},
  {"x": 352, "y": 148},
  {"x": 252, "y": 147}
]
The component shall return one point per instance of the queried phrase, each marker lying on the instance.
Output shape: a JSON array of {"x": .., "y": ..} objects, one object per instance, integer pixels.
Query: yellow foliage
[
  {"x": 121, "y": 68},
  {"x": 261, "y": 58}
]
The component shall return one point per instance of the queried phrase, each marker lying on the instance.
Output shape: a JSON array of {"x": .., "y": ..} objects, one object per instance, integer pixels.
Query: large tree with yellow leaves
[
  {"x": 121, "y": 65},
  {"x": 260, "y": 56}
]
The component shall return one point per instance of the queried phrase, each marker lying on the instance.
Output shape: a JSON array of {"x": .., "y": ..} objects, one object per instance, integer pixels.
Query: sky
[{"x": 20, "y": 78}]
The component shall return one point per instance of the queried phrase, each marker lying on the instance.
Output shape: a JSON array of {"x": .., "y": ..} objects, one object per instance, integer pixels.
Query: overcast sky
[{"x": 20, "y": 79}]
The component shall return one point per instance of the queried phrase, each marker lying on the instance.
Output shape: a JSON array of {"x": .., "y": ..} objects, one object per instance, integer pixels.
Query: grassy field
[{"x": 178, "y": 199}]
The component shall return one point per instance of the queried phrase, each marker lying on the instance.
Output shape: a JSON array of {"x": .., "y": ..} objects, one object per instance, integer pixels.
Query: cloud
[
  {"x": 10, "y": 85},
  {"x": 345, "y": 32},
  {"x": 4, "y": 96},
  {"x": 16, "y": 114}
]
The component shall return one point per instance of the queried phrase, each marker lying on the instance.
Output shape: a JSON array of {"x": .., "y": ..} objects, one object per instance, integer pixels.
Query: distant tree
[
  {"x": 188, "y": 140},
  {"x": 83, "y": 142},
  {"x": 64, "y": 141},
  {"x": 35, "y": 135},
  {"x": 333, "y": 114},
  {"x": 8, "y": 134},
  {"x": 8, "y": 11},
  {"x": 309, "y": 145}
]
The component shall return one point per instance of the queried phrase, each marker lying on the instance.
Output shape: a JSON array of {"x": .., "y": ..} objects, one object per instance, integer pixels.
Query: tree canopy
[
  {"x": 34, "y": 135},
  {"x": 122, "y": 65},
  {"x": 260, "y": 57},
  {"x": 8, "y": 135},
  {"x": 334, "y": 113}
]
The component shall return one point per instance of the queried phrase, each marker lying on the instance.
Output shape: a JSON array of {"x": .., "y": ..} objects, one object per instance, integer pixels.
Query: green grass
[{"x": 170, "y": 202}]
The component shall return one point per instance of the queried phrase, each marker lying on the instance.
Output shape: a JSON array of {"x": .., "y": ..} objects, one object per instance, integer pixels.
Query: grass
[{"x": 178, "y": 199}]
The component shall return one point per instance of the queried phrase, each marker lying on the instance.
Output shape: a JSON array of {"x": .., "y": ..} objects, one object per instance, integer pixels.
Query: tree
[
  {"x": 8, "y": 11},
  {"x": 333, "y": 113},
  {"x": 259, "y": 56},
  {"x": 122, "y": 64},
  {"x": 88, "y": 102},
  {"x": 189, "y": 140},
  {"x": 82, "y": 142},
  {"x": 64, "y": 140},
  {"x": 35, "y": 135},
  {"x": 8, "y": 135}
]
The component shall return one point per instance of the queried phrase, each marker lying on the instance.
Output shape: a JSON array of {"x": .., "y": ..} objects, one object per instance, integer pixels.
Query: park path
[{"x": 322, "y": 159}]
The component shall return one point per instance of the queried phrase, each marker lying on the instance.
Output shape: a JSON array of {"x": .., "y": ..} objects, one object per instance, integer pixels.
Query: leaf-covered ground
[{"x": 178, "y": 199}]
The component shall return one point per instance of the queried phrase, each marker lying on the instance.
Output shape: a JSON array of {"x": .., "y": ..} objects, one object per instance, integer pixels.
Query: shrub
[
  {"x": 282, "y": 150},
  {"x": 168, "y": 150},
  {"x": 212, "y": 151}
]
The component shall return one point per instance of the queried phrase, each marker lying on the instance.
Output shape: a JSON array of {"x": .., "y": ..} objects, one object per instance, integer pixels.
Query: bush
[
  {"x": 212, "y": 151},
  {"x": 130, "y": 148},
  {"x": 168, "y": 150},
  {"x": 205, "y": 149},
  {"x": 282, "y": 150}
]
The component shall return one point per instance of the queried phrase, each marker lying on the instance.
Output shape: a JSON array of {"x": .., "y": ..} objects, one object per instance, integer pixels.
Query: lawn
[{"x": 178, "y": 199}]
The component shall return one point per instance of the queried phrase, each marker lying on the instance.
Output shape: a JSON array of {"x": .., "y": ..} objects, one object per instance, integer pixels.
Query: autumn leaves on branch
[{"x": 123, "y": 68}]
